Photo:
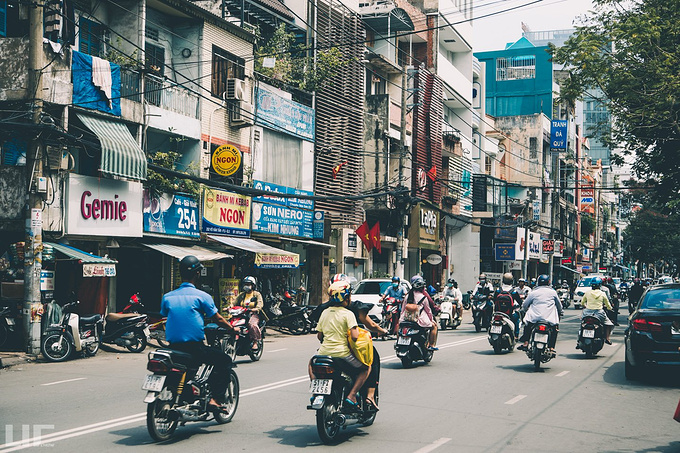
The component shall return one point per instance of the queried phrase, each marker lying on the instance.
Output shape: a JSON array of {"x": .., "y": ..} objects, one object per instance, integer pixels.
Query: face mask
[
  {"x": 395, "y": 285},
  {"x": 247, "y": 288}
]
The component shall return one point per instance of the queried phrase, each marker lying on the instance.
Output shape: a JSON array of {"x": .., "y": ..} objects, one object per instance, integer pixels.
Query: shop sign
[
  {"x": 285, "y": 115},
  {"x": 46, "y": 280},
  {"x": 272, "y": 219},
  {"x": 99, "y": 270},
  {"x": 558, "y": 135},
  {"x": 566, "y": 261},
  {"x": 319, "y": 224},
  {"x": 506, "y": 230},
  {"x": 433, "y": 259},
  {"x": 351, "y": 242},
  {"x": 174, "y": 215},
  {"x": 548, "y": 246},
  {"x": 505, "y": 252},
  {"x": 274, "y": 261},
  {"x": 297, "y": 203},
  {"x": 226, "y": 160},
  {"x": 228, "y": 288},
  {"x": 103, "y": 207},
  {"x": 424, "y": 230},
  {"x": 226, "y": 213},
  {"x": 515, "y": 265},
  {"x": 559, "y": 249}
]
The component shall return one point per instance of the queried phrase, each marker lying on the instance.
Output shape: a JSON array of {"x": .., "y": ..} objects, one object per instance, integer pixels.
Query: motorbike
[
  {"x": 538, "y": 350},
  {"x": 329, "y": 390},
  {"x": 7, "y": 324},
  {"x": 156, "y": 321},
  {"x": 284, "y": 313},
  {"x": 591, "y": 336},
  {"x": 502, "y": 333},
  {"x": 482, "y": 309},
  {"x": 563, "y": 294},
  {"x": 390, "y": 315},
  {"x": 237, "y": 341},
  {"x": 74, "y": 334},
  {"x": 178, "y": 392},
  {"x": 129, "y": 330},
  {"x": 448, "y": 316},
  {"x": 467, "y": 300},
  {"x": 411, "y": 344}
]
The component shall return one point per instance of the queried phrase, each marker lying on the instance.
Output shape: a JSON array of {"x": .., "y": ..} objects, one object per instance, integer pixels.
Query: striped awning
[
  {"x": 202, "y": 253},
  {"x": 266, "y": 256},
  {"x": 121, "y": 155},
  {"x": 77, "y": 254}
]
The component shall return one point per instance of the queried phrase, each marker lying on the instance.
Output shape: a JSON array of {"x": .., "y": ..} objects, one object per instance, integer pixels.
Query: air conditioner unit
[
  {"x": 235, "y": 90},
  {"x": 57, "y": 157},
  {"x": 241, "y": 114}
]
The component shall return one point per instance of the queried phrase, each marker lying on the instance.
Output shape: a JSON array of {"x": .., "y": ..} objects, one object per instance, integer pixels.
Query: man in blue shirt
[{"x": 186, "y": 308}]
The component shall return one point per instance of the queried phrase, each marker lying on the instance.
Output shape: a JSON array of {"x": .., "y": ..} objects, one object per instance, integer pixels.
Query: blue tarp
[{"x": 88, "y": 96}]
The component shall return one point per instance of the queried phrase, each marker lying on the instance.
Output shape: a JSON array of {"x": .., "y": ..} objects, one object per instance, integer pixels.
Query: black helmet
[
  {"x": 543, "y": 280},
  {"x": 189, "y": 265}
]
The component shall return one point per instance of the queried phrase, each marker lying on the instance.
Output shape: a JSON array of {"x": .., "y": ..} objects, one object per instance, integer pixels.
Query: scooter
[
  {"x": 7, "y": 324},
  {"x": 448, "y": 317},
  {"x": 563, "y": 294},
  {"x": 156, "y": 322},
  {"x": 482, "y": 308},
  {"x": 126, "y": 329},
  {"x": 329, "y": 390},
  {"x": 502, "y": 333},
  {"x": 591, "y": 336},
  {"x": 284, "y": 313},
  {"x": 411, "y": 344},
  {"x": 390, "y": 315},
  {"x": 236, "y": 341},
  {"x": 74, "y": 334},
  {"x": 538, "y": 350}
]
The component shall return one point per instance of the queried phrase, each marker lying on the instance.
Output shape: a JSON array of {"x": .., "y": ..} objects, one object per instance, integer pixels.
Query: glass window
[
  {"x": 154, "y": 57},
  {"x": 662, "y": 299},
  {"x": 372, "y": 287},
  {"x": 225, "y": 66}
]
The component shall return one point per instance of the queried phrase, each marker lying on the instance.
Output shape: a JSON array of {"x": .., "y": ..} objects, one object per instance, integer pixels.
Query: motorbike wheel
[
  {"x": 406, "y": 362},
  {"x": 297, "y": 326},
  {"x": 56, "y": 347},
  {"x": 497, "y": 347},
  {"x": 442, "y": 323},
  {"x": 3, "y": 334},
  {"x": 139, "y": 342},
  {"x": 428, "y": 356},
  {"x": 158, "y": 424},
  {"x": 229, "y": 408},
  {"x": 92, "y": 348},
  {"x": 325, "y": 425},
  {"x": 537, "y": 360},
  {"x": 256, "y": 355},
  {"x": 478, "y": 327},
  {"x": 161, "y": 341},
  {"x": 369, "y": 421}
]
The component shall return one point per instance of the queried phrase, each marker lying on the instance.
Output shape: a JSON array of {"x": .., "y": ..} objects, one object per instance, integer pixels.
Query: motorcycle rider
[
  {"x": 334, "y": 323},
  {"x": 419, "y": 296},
  {"x": 454, "y": 293},
  {"x": 522, "y": 289},
  {"x": 635, "y": 293},
  {"x": 252, "y": 300},
  {"x": 398, "y": 292},
  {"x": 542, "y": 305},
  {"x": 507, "y": 288},
  {"x": 483, "y": 289},
  {"x": 532, "y": 283},
  {"x": 613, "y": 295},
  {"x": 185, "y": 309},
  {"x": 594, "y": 302}
]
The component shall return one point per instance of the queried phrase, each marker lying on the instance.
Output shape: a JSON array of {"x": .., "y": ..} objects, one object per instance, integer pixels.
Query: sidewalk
[{"x": 8, "y": 359}]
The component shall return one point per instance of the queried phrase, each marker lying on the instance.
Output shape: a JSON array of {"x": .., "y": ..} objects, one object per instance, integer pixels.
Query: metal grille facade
[{"x": 427, "y": 135}]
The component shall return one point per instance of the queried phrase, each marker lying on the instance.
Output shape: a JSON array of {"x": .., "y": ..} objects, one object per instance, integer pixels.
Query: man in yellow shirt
[{"x": 594, "y": 303}]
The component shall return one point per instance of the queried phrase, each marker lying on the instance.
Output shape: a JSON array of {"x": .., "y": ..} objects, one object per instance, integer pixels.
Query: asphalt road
[{"x": 466, "y": 399}]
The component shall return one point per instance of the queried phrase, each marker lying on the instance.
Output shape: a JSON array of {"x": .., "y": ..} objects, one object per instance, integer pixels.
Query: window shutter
[{"x": 3, "y": 18}]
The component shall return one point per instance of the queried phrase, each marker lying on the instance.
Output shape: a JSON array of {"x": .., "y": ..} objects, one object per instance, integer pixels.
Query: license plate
[
  {"x": 403, "y": 341},
  {"x": 147, "y": 332},
  {"x": 588, "y": 333},
  {"x": 496, "y": 329},
  {"x": 444, "y": 316},
  {"x": 320, "y": 386},
  {"x": 153, "y": 382},
  {"x": 10, "y": 321},
  {"x": 541, "y": 338}
]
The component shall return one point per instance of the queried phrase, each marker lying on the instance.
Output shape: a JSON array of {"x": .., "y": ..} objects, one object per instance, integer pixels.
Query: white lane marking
[
  {"x": 74, "y": 432},
  {"x": 434, "y": 445},
  {"x": 561, "y": 374},
  {"x": 516, "y": 399},
  {"x": 67, "y": 380},
  {"x": 277, "y": 350}
]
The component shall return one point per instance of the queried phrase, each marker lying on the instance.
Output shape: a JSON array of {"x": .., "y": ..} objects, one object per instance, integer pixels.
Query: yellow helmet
[{"x": 339, "y": 291}]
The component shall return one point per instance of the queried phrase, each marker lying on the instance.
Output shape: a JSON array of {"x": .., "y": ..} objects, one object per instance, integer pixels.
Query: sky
[{"x": 494, "y": 32}]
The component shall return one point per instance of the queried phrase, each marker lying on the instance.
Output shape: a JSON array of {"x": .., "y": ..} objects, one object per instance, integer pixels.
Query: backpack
[
  {"x": 412, "y": 310},
  {"x": 504, "y": 302}
]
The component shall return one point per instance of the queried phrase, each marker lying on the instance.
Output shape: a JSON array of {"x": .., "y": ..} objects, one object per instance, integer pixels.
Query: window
[
  {"x": 516, "y": 68},
  {"x": 90, "y": 37},
  {"x": 533, "y": 148},
  {"x": 225, "y": 66},
  {"x": 487, "y": 165},
  {"x": 154, "y": 59},
  {"x": 3, "y": 18},
  {"x": 13, "y": 152}
]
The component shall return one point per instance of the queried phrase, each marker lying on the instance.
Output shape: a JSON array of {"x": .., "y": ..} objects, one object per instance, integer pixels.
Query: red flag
[
  {"x": 364, "y": 235},
  {"x": 337, "y": 169},
  {"x": 375, "y": 237},
  {"x": 432, "y": 173}
]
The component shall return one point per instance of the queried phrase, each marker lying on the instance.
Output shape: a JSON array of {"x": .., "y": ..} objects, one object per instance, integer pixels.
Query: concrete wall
[
  {"x": 13, "y": 71},
  {"x": 521, "y": 129},
  {"x": 463, "y": 256},
  {"x": 12, "y": 197}
]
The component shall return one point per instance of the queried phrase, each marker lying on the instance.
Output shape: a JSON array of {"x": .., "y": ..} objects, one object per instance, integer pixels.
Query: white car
[
  {"x": 583, "y": 287},
  {"x": 370, "y": 290}
]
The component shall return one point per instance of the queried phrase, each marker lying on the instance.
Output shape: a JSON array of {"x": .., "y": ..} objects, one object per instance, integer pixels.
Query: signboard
[
  {"x": 272, "y": 219},
  {"x": 558, "y": 135},
  {"x": 433, "y": 259},
  {"x": 297, "y": 203},
  {"x": 536, "y": 210},
  {"x": 506, "y": 230},
  {"x": 505, "y": 252},
  {"x": 226, "y": 160},
  {"x": 99, "y": 270},
  {"x": 515, "y": 266},
  {"x": 228, "y": 288},
  {"x": 352, "y": 242},
  {"x": 424, "y": 228},
  {"x": 174, "y": 215},
  {"x": 566, "y": 261},
  {"x": 103, "y": 207},
  {"x": 274, "y": 261},
  {"x": 318, "y": 224},
  {"x": 535, "y": 246},
  {"x": 579, "y": 268},
  {"x": 284, "y": 115},
  {"x": 46, "y": 280},
  {"x": 586, "y": 254},
  {"x": 548, "y": 246},
  {"x": 494, "y": 276},
  {"x": 226, "y": 213},
  {"x": 559, "y": 249}
]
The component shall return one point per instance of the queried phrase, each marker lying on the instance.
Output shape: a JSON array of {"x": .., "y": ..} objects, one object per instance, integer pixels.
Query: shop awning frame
[
  {"x": 570, "y": 269},
  {"x": 121, "y": 154},
  {"x": 266, "y": 256},
  {"x": 179, "y": 252},
  {"x": 308, "y": 242},
  {"x": 77, "y": 254}
]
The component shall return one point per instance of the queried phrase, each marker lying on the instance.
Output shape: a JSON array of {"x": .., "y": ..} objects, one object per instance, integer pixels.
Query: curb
[{"x": 7, "y": 361}]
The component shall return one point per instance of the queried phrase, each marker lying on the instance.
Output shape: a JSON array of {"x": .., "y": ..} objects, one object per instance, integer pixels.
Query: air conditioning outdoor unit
[
  {"x": 241, "y": 113},
  {"x": 235, "y": 90},
  {"x": 57, "y": 157}
]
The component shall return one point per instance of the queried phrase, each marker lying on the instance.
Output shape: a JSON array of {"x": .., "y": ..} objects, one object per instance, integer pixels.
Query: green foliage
[
  {"x": 630, "y": 52},
  {"x": 652, "y": 236},
  {"x": 587, "y": 227},
  {"x": 295, "y": 65},
  {"x": 116, "y": 56},
  {"x": 159, "y": 183}
]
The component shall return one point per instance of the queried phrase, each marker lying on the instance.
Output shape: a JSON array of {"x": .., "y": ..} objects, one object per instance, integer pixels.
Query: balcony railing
[
  {"x": 130, "y": 85},
  {"x": 169, "y": 96}
]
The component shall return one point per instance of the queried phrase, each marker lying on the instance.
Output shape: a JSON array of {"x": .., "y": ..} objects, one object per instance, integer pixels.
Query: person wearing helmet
[
  {"x": 185, "y": 309},
  {"x": 418, "y": 295},
  {"x": 542, "y": 305},
  {"x": 507, "y": 300},
  {"x": 634, "y": 294},
  {"x": 484, "y": 287},
  {"x": 455, "y": 294},
  {"x": 397, "y": 291},
  {"x": 594, "y": 302},
  {"x": 338, "y": 278},
  {"x": 609, "y": 287},
  {"x": 334, "y": 323},
  {"x": 522, "y": 289},
  {"x": 252, "y": 300}
]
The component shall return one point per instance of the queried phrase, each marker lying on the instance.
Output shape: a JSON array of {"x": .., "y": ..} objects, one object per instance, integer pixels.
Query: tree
[
  {"x": 652, "y": 236},
  {"x": 631, "y": 51}
]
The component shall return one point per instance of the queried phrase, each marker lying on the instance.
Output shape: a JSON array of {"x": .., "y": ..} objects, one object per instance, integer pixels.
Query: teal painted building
[{"x": 519, "y": 80}]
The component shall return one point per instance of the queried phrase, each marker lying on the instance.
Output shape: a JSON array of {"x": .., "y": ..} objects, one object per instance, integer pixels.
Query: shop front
[{"x": 425, "y": 245}]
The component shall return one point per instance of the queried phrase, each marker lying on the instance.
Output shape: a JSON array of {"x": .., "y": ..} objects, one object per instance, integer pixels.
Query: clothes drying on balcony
[
  {"x": 86, "y": 94},
  {"x": 101, "y": 76}
]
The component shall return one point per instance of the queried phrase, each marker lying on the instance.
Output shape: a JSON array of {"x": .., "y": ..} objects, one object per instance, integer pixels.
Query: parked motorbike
[
  {"x": 329, "y": 390},
  {"x": 467, "y": 300},
  {"x": 284, "y": 313},
  {"x": 7, "y": 324},
  {"x": 156, "y": 321},
  {"x": 591, "y": 336},
  {"x": 74, "y": 334},
  {"x": 178, "y": 392},
  {"x": 129, "y": 330},
  {"x": 502, "y": 333},
  {"x": 390, "y": 315},
  {"x": 482, "y": 309},
  {"x": 448, "y": 316},
  {"x": 237, "y": 341},
  {"x": 538, "y": 350},
  {"x": 563, "y": 294},
  {"x": 411, "y": 344}
]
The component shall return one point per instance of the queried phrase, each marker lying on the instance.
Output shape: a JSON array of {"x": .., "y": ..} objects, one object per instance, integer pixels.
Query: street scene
[{"x": 391, "y": 225}]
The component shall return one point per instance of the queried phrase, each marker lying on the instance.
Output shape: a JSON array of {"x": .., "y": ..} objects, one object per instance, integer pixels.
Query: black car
[{"x": 653, "y": 333}]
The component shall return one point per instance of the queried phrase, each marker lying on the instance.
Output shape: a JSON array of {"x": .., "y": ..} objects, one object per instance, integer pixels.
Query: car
[
  {"x": 370, "y": 290},
  {"x": 664, "y": 279},
  {"x": 582, "y": 287},
  {"x": 652, "y": 338}
]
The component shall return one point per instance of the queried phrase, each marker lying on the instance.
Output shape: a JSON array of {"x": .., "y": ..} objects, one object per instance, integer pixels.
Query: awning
[
  {"x": 266, "y": 256},
  {"x": 570, "y": 269},
  {"x": 622, "y": 267},
  {"x": 308, "y": 242},
  {"x": 202, "y": 253},
  {"x": 93, "y": 265},
  {"x": 121, "y": 155}
]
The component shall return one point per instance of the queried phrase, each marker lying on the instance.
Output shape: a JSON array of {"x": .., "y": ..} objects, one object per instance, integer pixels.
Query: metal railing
[
  {"x": 169, "y": 96},
  {"x": 130, "y": 85}
]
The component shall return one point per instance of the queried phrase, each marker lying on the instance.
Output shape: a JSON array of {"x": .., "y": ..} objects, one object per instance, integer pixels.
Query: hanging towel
[{"x": 101, "y": 76}]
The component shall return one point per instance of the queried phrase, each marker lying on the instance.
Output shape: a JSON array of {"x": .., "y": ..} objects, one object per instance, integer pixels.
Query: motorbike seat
[
  {"x": 114, "y": 317},
  {"x": 90, "y": 319},
  {"x": 181, "y": 358}
]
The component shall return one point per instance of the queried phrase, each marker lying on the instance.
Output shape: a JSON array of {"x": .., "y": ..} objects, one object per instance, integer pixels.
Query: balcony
[
  {"x": 169, "y": 96},
  {"x": 457, "y": 87}
]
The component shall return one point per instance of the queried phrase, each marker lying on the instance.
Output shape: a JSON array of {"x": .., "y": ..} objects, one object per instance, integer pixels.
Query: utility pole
[
  {"x": 402, "y": 154},
  {"x": 33, "y": 243}
]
